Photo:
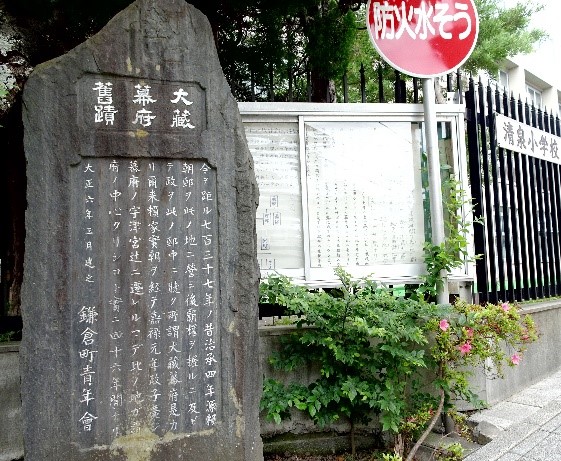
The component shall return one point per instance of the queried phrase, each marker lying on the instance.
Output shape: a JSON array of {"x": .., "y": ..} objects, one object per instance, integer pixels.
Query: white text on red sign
[{"x": 422, "y": 22}]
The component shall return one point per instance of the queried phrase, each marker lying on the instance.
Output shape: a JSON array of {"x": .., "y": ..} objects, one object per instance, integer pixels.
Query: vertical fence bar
[
  {"x": 345, "y": 88},
  {"x": 528, "y": 211},
  {"x": 538, "y": 273},
  {"x": 553, "y": 188},
  {"x": 550, "y": 229},
  {"x": 403, "y": 90},
  {"x": 513, "y": 167},
  {"x": 459, "y": 86},
  {"x": 552, "y": 178},
  {"x": 476, "y": 182},
  {"x": 380, "y": 84},
  {"x": 397, "y": 86},
  {"x": 543, "y": 229},
  {"x": 534, "y": 166},
  {"x": 489, "y": 225},
  {"x": 290, "y": 84},
  {"x": 271, "y": 84},
  {"x": 362, "y": 84},
  {"x": 252, "y": 86},
  {"x": 545, "y": 220},
  {"x": 521, "y": 200},
  {"x": 527, "y": 168},
  {"x": 495, "y": 240},
  {"x": 309, "y": 85},
  {"x": 506, "y": 242},
  {"x": 415, "y": 90}
]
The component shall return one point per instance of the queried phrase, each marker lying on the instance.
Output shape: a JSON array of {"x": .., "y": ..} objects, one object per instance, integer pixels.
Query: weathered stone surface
[
  {"x": 140, "y": 286},
  {"x": 11, "y": 440}
]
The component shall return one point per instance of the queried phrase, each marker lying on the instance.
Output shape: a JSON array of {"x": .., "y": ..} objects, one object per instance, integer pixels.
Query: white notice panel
[
  {"x": 364, "y": 198},
  {"x": 275, "y": 150}
]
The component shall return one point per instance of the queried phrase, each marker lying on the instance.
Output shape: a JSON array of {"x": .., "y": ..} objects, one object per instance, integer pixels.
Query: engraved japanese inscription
[{"x": 144, "y": 320}]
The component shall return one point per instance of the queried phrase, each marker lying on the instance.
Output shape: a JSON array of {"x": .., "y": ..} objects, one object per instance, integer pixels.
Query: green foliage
[
  {"x": 451, "y": 253},
  {"x": 378, "y": 353},
  {"x": 372, "y": 347},
  {"x": 8, "y": 336},
  {"x": 330, "y": 39},
  {"x": 391, "y": 457},
  {"x": 60, "y": 25},
  {"x": 471, "y": 335},
  {"x": 367, "y": 344},
  {"x": 271, "y": 46},
  {"x": 451, "y": 452},
  {"x": 503, "y": 32}
]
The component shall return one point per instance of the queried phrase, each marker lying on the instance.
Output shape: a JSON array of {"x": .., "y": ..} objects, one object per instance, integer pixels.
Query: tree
[{"x": 503, "y": 32}]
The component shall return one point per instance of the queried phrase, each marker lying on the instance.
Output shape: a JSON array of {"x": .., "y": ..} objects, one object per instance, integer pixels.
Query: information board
[
  {"x": 364, "y": 196},
  {"x": 280, "y": 240},
  {"x": 338, "y": 193}
]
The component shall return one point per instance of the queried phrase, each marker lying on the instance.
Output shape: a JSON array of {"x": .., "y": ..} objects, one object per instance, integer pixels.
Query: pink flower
[
  {"x": 515, "y": 359},
  {"x": 465, "y": 348},
  {"x": 505, "y": 307},
  {"x": 469, "y": 332},
  {"x": 444, "y": 325}
]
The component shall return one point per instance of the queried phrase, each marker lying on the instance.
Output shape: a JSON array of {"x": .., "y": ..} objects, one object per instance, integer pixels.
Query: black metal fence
[
  {"x": 518, "y": 198},
  {"x": 406, "y": 89},
  {"x": 401, "y": 93},
  {"x": 395, "y": 87}
]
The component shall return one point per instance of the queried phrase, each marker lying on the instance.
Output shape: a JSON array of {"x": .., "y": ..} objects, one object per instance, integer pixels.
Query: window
[
  {"x": 502, "y": 81},
  {"x": 534, "y": 96}
]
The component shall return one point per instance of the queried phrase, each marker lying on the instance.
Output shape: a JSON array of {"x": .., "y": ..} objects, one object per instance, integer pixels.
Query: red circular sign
[{"x": 423, "y": 38}]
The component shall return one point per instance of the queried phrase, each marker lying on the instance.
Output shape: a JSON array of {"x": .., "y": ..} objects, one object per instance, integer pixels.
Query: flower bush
[{"x": 376, "y": 353}]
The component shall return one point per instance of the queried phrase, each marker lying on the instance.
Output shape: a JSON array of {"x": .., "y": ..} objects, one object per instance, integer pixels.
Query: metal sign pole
[{"x": 435, "y": 184}]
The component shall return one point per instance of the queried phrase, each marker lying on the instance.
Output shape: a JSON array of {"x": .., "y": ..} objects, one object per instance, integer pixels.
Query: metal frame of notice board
[{"x": 353, "y": 166}]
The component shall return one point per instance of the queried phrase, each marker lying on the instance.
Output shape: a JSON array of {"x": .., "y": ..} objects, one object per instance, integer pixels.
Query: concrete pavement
[{"x": 525, "y": 427}]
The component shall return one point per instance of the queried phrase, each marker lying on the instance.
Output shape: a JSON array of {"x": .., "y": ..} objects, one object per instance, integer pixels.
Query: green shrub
[{"x": 376, "y": 352}]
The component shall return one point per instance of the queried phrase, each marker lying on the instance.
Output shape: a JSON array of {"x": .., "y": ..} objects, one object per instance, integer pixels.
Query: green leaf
[{"x": 300, "y": 405}]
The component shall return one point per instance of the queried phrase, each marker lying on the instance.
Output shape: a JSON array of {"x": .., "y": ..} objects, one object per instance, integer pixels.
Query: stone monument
[{"x": 141, "y": 282}]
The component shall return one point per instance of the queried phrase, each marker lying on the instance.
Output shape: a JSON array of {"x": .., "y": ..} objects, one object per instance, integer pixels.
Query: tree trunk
[
  {"x": 353, "y": 438},
  {"x": 12, "y": 209},
  {"x": 323, "y": 89},
  {"x": 432, "y": 422}
]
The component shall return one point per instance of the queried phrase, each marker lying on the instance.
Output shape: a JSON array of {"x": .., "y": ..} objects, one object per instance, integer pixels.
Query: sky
[{"x": 544, "y": 61}]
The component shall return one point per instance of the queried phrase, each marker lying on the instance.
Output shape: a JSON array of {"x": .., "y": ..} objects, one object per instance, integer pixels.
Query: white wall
[{"x": 519, "y": 77}]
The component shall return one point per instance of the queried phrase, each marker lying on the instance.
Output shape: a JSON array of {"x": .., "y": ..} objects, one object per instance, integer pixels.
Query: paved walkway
[{"x": 526, "y": 427}]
